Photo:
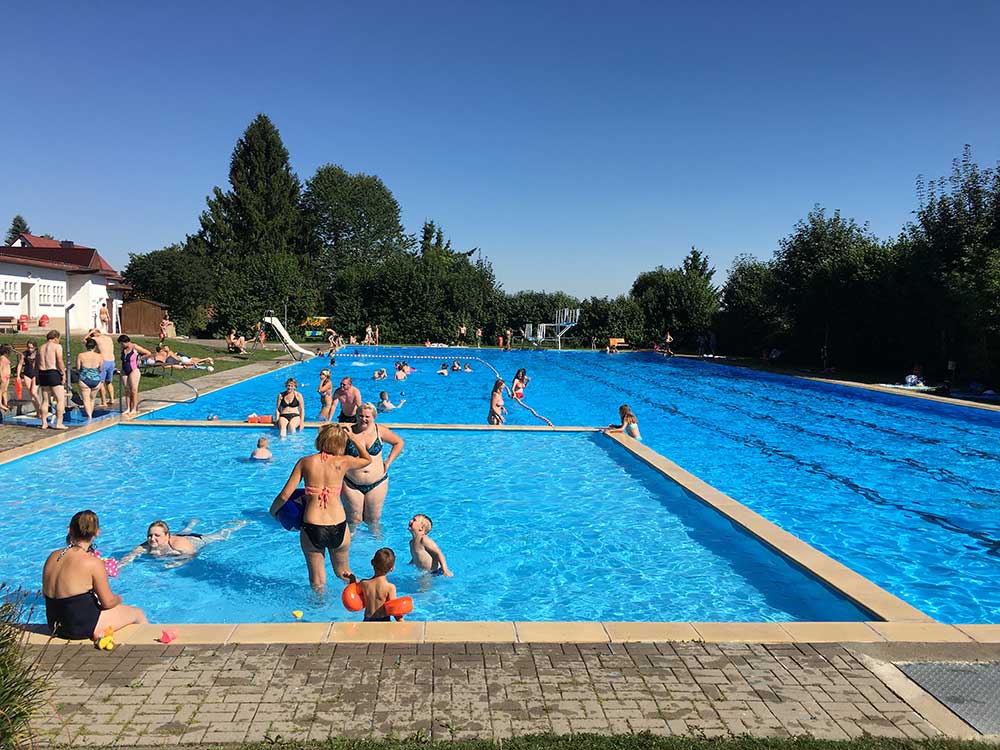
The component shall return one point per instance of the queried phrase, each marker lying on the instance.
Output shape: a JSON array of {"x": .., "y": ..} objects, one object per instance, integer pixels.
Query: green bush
[{"x": 22, "y": 686}]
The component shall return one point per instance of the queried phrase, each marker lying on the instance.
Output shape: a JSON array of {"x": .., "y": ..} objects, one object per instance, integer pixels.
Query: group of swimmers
[
  {"x": 346, "y": 482},
  {"x": 455, "y": 367}
]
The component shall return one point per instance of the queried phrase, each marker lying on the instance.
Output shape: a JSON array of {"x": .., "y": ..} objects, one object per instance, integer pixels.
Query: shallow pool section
[
  {"x": 902, "y": 490},
  {"x": 536, "y": 526}
]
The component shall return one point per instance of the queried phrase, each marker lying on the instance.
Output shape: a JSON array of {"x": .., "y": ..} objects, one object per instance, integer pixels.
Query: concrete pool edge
[
  {"x": 422, "y": 632},
  {"x": 838, "y": 576}
]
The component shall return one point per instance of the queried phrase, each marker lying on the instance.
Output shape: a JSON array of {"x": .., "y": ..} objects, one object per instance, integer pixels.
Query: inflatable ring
[
  {"x": 289, "y": 515},
  {"x": 352, "y": 598},
  {"x": 398, "y": 607}
]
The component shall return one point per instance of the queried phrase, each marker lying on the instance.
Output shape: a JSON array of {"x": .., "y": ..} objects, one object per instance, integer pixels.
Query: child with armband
[
  {"x": 377, "y": 590},
  {"x": 424, "y": 552}
]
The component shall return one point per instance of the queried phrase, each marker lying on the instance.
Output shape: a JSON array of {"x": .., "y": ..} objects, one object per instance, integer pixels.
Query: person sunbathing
[{"x": 164, "y": 356}]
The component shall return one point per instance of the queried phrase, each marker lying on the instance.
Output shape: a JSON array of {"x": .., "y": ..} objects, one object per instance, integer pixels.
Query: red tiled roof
[
  {"x": 51, "y": 251},
  {"x": 70, "y": 260},
  {"x": 5, "y": 258},
  {"x": 35, "y": 241}
]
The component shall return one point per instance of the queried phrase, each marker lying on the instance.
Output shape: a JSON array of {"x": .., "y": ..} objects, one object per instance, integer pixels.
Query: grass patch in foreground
[
  {"x": 613, "y": 742},
  {"x": 22, "y": 687}
]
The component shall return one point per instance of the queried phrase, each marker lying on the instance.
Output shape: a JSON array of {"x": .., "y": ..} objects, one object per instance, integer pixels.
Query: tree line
[{"x": 832, "y": 293}]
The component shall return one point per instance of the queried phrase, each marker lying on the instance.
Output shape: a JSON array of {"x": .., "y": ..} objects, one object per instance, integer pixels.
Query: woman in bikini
[
  {"x": 184, "y": 545},
  {"x": 291, "y": 407},
  {"x": 88, "y": 365},
  {"x": 365, "y": 488},
  {"x": 519, "y": 383},
  {"x": 78, "y": 599},
  {"x": 325, "y": 391},
  {"x": 497, "y": 409},
  {"x": 324, "y": 524}
]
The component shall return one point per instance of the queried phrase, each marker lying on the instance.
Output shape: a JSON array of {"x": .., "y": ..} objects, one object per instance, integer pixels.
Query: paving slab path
[{"x": 149, "y": 695}]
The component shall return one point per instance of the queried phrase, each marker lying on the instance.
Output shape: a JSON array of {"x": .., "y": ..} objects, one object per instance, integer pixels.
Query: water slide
[{"x": 285, "y": 338}]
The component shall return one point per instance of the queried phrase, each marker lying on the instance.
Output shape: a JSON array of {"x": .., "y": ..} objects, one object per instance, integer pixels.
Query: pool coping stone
[{"x": 419, "y": 631}]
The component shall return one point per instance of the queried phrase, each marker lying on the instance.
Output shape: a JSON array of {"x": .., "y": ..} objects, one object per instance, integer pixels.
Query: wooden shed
[{"x": 142, "y": 317}]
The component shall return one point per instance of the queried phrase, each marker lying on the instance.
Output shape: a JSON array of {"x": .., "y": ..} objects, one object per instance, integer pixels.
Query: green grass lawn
[{"x": 223, "y": 360}]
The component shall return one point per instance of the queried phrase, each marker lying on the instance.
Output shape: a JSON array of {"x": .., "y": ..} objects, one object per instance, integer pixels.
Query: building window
[
  {"x": 58, "y": 294},
  {"x": 11, "y": 292},
  {"x": 44, "y": 294}
]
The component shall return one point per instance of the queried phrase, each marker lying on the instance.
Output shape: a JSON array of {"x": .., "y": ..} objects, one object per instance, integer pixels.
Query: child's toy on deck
[
  {"x": 168, "y": 635},
  {"x": 107, "y": 641}
]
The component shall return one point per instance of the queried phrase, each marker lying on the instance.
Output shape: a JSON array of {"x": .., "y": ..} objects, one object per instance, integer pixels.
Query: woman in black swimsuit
[
  {"x": 78, "y": 599},
  {"x": 290, "y": 408},
  {"x": 324, "y": 524},
  {"x": 27, "y": 368}
]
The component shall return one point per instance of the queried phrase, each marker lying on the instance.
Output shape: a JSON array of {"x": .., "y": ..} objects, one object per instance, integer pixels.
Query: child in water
[
  {"x": 384, "y": 404},
  {"x": 262, "y": 452},
  {"x": 424, "y": 551},
  {"x": 377, "y": 590}
]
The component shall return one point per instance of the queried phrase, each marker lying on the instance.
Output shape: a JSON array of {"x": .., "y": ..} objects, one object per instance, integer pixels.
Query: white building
[{"x": 39, "y": 276}]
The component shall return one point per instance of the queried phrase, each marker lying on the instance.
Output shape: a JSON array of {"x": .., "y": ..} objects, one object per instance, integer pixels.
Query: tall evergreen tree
[
  {"x": 252, "y": 233},
  {"x": 17, "y": 227}
]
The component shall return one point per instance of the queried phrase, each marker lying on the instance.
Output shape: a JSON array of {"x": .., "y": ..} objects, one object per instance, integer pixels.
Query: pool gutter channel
[{"x": 901, "y": 621}]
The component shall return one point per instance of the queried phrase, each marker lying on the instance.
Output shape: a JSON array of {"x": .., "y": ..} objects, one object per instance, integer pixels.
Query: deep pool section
[
  {"x": 904, "y": 491},
  {"x": 536, "y": 526}
]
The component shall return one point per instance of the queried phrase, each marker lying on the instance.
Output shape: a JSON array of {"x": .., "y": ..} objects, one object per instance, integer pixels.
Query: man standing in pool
[{"x": 350, "y": 401}]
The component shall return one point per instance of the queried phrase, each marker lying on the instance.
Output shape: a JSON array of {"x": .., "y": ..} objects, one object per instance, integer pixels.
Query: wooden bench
[
  {"x": 8, "y": 324},
  {"x": 616, "y": 343}
]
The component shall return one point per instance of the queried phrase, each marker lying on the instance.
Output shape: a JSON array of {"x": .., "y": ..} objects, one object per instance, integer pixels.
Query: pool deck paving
[{"x": 144, "y": 695}]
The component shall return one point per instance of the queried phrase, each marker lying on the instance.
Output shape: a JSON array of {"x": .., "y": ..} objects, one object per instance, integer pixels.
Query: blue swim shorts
[{"x": 108, "y": 371}]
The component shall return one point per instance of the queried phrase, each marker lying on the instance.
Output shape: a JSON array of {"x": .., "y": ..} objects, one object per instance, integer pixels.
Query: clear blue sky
[{"x": 576, "y": 143}]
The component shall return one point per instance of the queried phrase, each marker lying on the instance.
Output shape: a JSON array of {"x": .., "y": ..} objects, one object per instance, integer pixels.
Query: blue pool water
[
  {"x": 544, "y": 526},
  {"x": 904, "y": 491}
]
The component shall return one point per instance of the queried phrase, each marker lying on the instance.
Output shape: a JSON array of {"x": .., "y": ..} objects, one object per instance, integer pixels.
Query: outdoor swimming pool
[
  {"x": 905, "y": 492},
  {"x": 537, "y": 526}
]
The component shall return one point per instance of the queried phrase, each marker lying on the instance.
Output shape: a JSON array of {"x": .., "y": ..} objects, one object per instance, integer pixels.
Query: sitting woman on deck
[
  {"x": 78, "y": 599},
  {"x": 235, "y": 344},
  {"x": 290, "y": 410},
  {"x": 324, "y": 523}
]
